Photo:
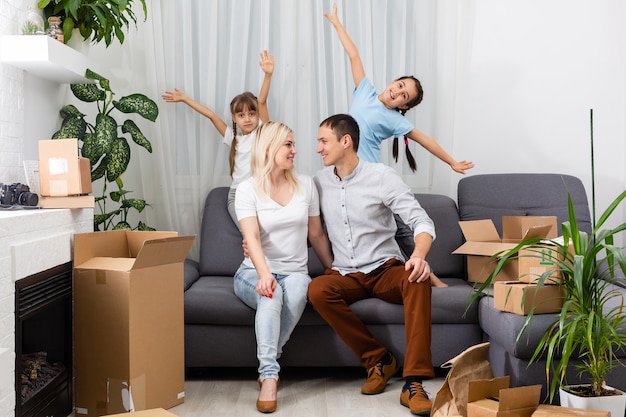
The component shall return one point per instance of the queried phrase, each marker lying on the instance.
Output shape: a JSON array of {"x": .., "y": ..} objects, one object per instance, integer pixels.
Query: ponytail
[
  {"x": 409, "y": 156},
  {"x": 233, "y": 150}
]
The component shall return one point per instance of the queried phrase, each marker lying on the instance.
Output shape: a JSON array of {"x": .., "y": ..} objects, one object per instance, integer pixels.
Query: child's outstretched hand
[
  {"x": 267, "y": 62},
  {"x": 460, "y": 167},
  {"x": 174, "y": 96},
  {"x": 333, "y": 18}
]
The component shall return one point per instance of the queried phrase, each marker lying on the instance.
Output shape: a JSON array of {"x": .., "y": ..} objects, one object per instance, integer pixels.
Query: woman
[{"x": 277, "y": 210}]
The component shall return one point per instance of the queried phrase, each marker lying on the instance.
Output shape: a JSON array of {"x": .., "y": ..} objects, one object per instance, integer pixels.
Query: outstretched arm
[
  {"x": 180, "y": 96},
  {"x": 267, "y": 65},
  {"x": 434, "y": 148},
  {"x": 353, "y": 54}
]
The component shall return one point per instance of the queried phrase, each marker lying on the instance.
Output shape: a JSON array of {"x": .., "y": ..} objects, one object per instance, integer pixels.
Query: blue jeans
[{"x": 276, "y": 317}]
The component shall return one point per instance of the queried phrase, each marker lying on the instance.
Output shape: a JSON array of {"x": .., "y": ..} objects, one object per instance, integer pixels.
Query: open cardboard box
[
  {"x": 483, "y": 242},
  {"x": 494, "y": 398},
  {"x": 128, "y": 321},
  {"x": 520, "y": 297}
]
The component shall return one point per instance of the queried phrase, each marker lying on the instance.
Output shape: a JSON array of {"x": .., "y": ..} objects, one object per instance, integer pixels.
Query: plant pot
[{"x": 616, "y": 404}]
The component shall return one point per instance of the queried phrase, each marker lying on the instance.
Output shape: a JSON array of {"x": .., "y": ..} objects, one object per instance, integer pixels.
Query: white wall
[{"x": 536, "y": 69}]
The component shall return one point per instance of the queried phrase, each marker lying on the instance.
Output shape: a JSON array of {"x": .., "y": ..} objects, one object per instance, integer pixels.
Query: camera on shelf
[{"x": 17, "y": 194}]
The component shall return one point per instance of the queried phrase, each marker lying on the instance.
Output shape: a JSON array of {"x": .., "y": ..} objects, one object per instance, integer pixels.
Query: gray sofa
[{"x": 219, "y": 328}]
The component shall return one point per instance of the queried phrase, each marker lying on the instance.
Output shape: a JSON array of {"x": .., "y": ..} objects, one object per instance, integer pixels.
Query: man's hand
[{"x": 420, "y": 270}]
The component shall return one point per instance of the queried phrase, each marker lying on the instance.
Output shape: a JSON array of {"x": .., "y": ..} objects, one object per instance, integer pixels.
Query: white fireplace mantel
[{"x": 31, "y": 241}]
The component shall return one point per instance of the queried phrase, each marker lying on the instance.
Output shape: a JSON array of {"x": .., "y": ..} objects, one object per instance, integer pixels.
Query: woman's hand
[{"x": 266, "y": 285}]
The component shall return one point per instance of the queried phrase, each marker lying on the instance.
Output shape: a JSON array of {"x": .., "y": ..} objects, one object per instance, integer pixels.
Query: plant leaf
[
  {"x": 70, "y": 110},
  {"x": 122, "y": 226},
  {"x": 140, "y": 104},
  {"x": 130, "y": 127},
  {"x": 99, "y": 171},
  {"x": 135, "y": 203},
  {"x": 144, "y": 227},
  {"x": 120, "y": 157},
  {"x": 106, "y": 132},
  {"x": 87, "y": 92},
  {"x": 72, "y": 127},
  {"x": 104, "y": 82}
]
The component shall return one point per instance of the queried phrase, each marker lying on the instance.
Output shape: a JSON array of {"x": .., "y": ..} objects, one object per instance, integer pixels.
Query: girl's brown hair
[
  {"x": 238, "y": 104},
  {"x": 417, "y": 100}
]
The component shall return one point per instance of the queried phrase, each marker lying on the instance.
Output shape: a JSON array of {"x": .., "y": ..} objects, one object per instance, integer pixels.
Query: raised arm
[
  {"x": 434, "y": 148},
  {"x": 349, "y": 47},
  {"x": 267, "y": 65},
  {"x": 319, "y": 241},
  {"x": 180, "y": 96}
]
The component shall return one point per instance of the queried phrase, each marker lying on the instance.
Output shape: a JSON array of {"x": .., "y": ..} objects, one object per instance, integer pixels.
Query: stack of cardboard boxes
[{"x": 515, "y": 289}]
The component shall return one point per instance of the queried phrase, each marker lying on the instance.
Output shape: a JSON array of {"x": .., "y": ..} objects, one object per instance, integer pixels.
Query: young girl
[
  {"x": 247, "y": 114},
  {"x": 380, "y": 116},
  {"x": 277, "y": 210}
]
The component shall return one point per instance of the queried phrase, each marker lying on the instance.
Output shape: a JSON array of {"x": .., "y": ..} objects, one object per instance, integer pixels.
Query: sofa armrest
[{"x": 192, "y": 272}]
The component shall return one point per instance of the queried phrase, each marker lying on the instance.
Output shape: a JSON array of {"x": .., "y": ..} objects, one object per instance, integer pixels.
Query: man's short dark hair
[{"x": 344, "y": 124}]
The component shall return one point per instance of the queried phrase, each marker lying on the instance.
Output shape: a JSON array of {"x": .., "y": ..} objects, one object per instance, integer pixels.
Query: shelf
[{"x": 44, "y": 57}]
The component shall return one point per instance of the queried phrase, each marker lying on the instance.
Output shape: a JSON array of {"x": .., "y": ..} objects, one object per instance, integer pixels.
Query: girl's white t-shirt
[
  {"x": 243, "y": 157},
  {"x": 283, "y": 229}
]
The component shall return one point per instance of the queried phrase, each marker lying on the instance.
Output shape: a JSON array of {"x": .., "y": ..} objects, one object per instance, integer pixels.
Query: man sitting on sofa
[{"x": 358, "y": 200}]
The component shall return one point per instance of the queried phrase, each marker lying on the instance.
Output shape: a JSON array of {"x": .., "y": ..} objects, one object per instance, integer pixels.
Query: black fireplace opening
[{"x": 43, "y": 343}]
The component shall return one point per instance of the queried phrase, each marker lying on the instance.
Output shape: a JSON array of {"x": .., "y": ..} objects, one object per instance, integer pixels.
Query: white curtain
[{"x": 210, "y": 49}]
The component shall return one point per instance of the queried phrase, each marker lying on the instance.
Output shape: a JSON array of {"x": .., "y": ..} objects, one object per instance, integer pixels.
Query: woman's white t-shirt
[{"x": 283, "y": 229}]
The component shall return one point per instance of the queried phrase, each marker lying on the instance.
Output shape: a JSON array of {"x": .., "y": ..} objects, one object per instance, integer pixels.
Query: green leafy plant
[
  {"x": 589, "y": 326},
  {"x": 108, "y": 151},
  {"x": 100, "y": 20}
]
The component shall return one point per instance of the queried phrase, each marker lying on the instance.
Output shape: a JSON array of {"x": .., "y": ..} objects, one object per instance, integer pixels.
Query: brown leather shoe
[
  {"x": 378, "y": 375},
  {"x": 415, "y": 398}
]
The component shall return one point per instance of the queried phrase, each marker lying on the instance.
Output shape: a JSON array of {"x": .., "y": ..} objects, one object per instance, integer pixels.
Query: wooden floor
[{"x": 303, "y": 392}]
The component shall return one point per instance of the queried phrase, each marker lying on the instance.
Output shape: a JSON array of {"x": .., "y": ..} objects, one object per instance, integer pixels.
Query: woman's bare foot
[{"x": 436, "y": 282}]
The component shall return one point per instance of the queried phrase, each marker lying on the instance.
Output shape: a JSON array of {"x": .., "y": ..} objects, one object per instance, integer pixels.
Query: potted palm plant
[
  {"x": 96, "y": 20},
  {"x": 591, "y": 325}
]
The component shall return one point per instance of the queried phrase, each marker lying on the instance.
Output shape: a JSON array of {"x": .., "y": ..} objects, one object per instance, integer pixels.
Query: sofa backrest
[
  {"x": 491, "y": 196},
  {"x": 220, "y": 240},
  {"x": 444, "y": 213}
]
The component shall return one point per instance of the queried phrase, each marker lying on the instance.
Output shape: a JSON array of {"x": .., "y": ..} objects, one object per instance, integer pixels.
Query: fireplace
[{"x": 43, "y": 343}]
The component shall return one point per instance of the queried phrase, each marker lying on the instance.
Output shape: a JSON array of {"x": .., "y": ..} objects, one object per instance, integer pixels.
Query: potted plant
[
  {"x": 96, "y": 20},
  {"x": 107, "y": 148},
  {"x": 591, "y": 325}
]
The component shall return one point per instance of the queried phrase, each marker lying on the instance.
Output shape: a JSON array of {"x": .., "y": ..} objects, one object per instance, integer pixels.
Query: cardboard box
[
  {"x": 483, "y": 242},
  {"x": 494, "y": 398},
  {"x": 520, "y": 297},
  {"x": 61, "y": 171},
  {"x": 545, "y": 410},
  {"x": 128, "y": 321},
  {"x": 156, "y": 412},
  {"x": 73, "y": 201}
]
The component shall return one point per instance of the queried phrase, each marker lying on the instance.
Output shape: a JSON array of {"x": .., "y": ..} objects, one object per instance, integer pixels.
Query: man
[{"x": 358, "y": 200}]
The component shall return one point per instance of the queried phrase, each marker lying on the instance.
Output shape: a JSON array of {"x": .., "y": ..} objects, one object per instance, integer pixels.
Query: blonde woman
[{"x": 277, "y": 211}]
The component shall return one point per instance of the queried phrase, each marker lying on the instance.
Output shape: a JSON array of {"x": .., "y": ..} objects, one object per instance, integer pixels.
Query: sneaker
[
  {"x": 415, "y": 398},
  {"x": 378, "y": 375}
]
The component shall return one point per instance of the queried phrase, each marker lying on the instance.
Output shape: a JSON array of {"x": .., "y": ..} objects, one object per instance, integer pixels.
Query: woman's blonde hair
[{"x": 270, "y": 137}]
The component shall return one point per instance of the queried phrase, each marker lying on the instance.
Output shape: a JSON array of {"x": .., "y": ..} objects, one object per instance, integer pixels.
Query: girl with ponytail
[
  {"x": 247, "y": 113},
  {"x": 381, "y": 116}
]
